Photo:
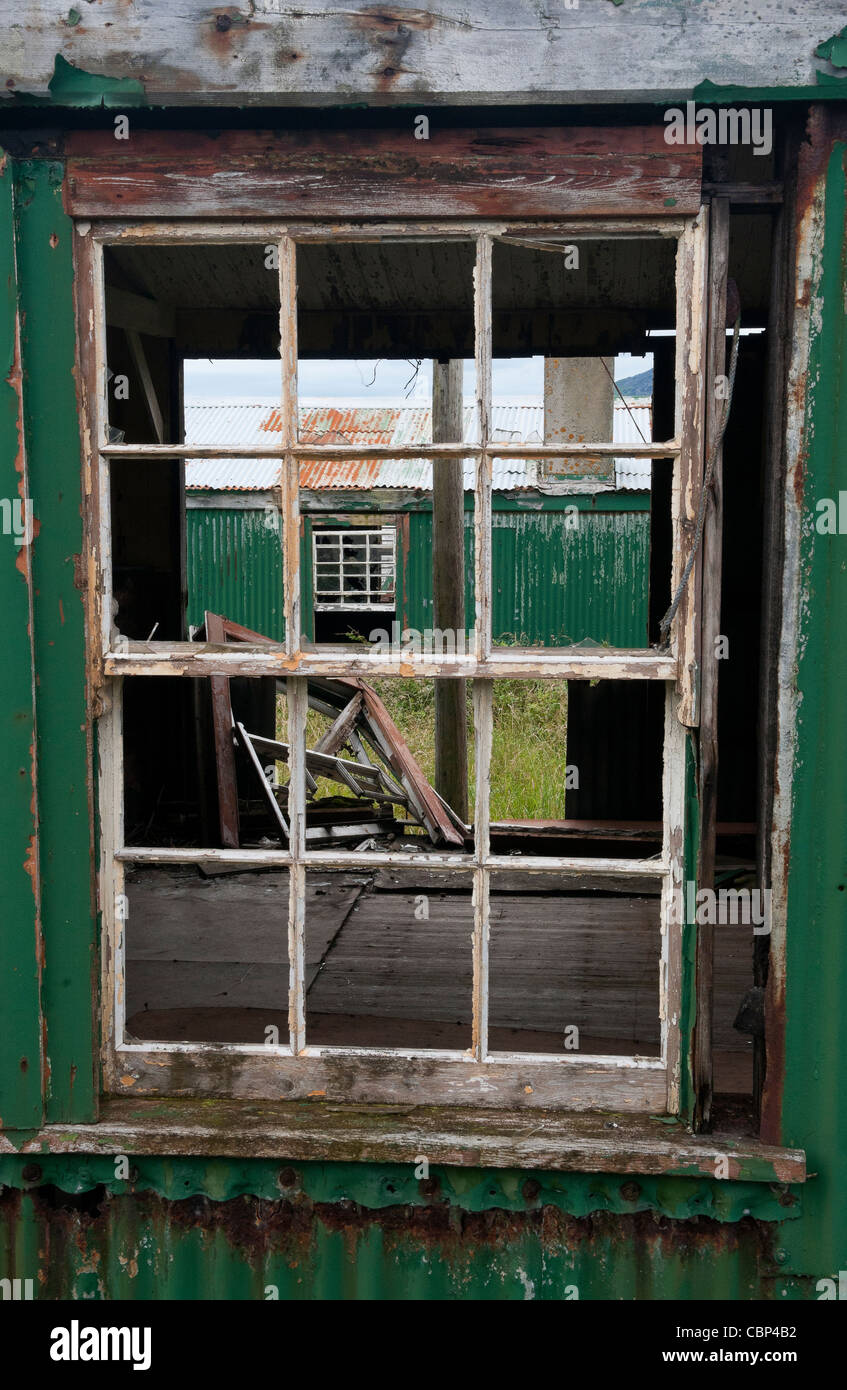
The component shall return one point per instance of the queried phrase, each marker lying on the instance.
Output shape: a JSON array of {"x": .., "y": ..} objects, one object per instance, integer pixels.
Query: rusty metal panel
[{"x": 211, "y": 1228}]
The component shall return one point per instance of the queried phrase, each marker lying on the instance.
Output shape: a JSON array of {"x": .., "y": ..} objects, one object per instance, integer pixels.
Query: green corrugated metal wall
[
  {"x": 557, "y": 577},
  {"x": 234, "y": 567},
  {"x": 214, "y": 1228}
]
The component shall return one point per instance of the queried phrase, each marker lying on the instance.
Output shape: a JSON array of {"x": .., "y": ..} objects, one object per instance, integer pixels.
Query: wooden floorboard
[{"x": 207, "y": 961}]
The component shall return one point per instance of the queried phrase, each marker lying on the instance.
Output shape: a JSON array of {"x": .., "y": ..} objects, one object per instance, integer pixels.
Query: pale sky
[{"x": 384, "y": 380}]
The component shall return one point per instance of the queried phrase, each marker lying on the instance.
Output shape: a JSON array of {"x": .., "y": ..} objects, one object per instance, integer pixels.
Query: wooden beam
[
  {"x": 448, "y": 584},
  {"x": 336, "y": 736},
  {"x": 472, "y": 1137},
  {"x": 510, "y": 172},
  {"x": 137, "y": 313},
  {"x": 709, "y": 663},
  {"x": 565, "y": 663},
  {"x": 224, "y": 746},
  {"x": 416, "y": 57},
  {"x": 139, "y": 358},
  {"x": 691, "y": 283}
]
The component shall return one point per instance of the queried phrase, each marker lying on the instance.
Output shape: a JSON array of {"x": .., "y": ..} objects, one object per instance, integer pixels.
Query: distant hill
[{"x": 639, "y": 385}]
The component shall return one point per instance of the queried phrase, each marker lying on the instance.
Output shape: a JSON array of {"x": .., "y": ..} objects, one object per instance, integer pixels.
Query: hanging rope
[{"x": 665, "y": 624}]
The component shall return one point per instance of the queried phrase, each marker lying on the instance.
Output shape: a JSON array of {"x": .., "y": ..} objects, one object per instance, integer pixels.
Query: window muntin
[{"x": 652, "y": 1078}]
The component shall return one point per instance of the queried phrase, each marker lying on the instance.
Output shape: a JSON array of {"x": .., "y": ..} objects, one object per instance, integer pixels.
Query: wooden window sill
[{"x": 458, "y": 1137}]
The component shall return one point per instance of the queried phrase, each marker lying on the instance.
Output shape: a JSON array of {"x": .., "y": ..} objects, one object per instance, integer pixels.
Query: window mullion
[
  {"x": 673, "y": 893},
  {"x": 482, "y": 491},
  {"x": 483, "y": 692},
  {"x": 298, "y": 706},
  {"x": 290, "y": 434},
  {"x": 483, "y": 689},
  {"x": 691, "y": 345}
]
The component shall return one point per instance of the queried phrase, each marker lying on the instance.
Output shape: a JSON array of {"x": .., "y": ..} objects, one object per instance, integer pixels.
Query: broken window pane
[
  {"x": 353, "y": 563},
  {"x": 182, "y": 549},
  {"x": 206, "y": 954},
  {"x": 385, "y": 357},
  {"x": 195, "y": 534},
  {"x": 166, "y": 303},
  {"x": 571, "y": 536},
  {"x": 574, "y": 965},
  {"x": 576, "y": 768},
  {"x": 389, "y": 958},
  {"x": 373, "y": 777}
]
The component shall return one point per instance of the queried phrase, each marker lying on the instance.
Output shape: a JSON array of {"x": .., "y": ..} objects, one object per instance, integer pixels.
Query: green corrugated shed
[
  {"x": 235, "y": 568},
  {"x": 558, "y": 577}
]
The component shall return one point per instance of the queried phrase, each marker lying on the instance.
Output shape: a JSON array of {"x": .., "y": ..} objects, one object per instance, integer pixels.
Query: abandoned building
[
  {"x": 543, "y": 888},
  {"x": 381, "y": 518}
]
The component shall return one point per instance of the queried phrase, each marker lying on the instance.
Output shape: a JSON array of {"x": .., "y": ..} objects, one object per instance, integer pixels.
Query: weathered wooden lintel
[{"x": 520, "y": 172}]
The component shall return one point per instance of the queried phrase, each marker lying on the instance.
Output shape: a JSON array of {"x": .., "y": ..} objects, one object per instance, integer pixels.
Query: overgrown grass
[{"x": 529, "y": 748}]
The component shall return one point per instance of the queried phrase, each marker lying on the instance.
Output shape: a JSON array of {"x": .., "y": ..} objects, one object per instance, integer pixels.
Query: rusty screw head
[
  {"x": 630, "y": 1192},
  {"x": 223, "y": 23},
  {"x": 288, "y": 1178},
  {"x": 428, "y": 1187},
  {"x": 31, "y": 1172},
  {"x": 531, "y": 1189}
]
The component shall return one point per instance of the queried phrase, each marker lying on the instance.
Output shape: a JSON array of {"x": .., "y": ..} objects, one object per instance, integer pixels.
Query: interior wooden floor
[{"x": 388, "y": 963}]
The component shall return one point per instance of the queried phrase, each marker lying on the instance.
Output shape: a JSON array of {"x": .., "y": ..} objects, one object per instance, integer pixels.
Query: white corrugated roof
[{"x": 250, "y": 422}]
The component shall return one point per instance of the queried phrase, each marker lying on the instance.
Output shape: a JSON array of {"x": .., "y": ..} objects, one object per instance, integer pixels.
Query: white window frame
[
  {"x": 382, "y": 537},
  {"x": 294, "y": 1069}
]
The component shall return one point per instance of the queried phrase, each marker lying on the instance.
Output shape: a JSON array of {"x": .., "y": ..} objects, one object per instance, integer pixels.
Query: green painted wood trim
[
  {"x": 814, "y": 1100},
  {"x": 21, "y": 1056},
  {"x": 45, "y": 269}
]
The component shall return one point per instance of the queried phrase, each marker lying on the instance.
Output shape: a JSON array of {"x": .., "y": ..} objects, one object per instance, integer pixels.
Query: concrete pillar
[{"x": 579, "y": 398}]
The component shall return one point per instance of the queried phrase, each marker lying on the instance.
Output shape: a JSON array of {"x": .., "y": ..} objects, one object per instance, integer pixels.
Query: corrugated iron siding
[
  {"x": 553, "y": 582},
  {"x": 222, "y": 1229},
  {"x": 228, "y": 423},
  {"x": 235, "y": 568}
]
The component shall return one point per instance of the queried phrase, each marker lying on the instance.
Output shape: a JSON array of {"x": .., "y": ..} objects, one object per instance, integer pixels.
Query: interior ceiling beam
[
  {"x": 135, "y": 313},
  {"x": 516, "y": 333}
]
